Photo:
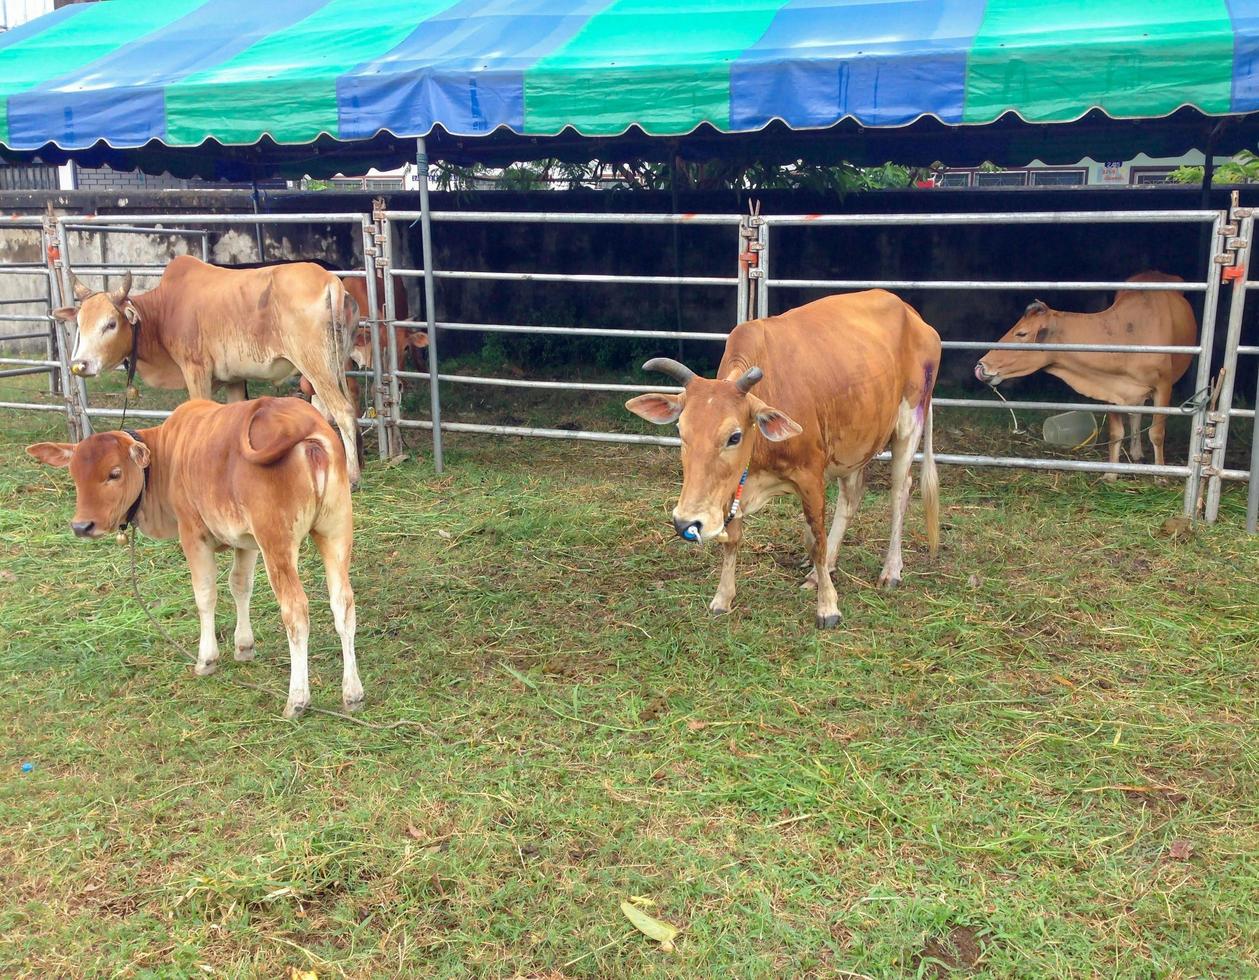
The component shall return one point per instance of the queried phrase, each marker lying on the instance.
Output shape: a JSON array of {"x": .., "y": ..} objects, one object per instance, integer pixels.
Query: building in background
[{"x": 1140, "y": 171}]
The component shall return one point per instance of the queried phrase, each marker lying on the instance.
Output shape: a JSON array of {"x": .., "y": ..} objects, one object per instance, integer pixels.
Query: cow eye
[
  {"x": 115, "y": 473},
  {"x": 1021, "y": 333},
  {"x": 111, "y": 325},
  {"x": 735, "y": 439}
]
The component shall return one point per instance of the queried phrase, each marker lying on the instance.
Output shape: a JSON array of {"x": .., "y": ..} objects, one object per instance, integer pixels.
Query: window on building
[
  {"x": 954, "y": 178},
  {"x": 1059, "y": 177},
  {"x": 1001, "y": 178},
  {"x": 1151, "y": 175}
]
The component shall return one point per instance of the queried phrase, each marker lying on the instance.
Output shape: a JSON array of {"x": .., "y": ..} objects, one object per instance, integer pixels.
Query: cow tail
[
  {"x": 343, "y": 318},
  {"x": 930, "y": 485},
  {"x": 269, "y": 434}
]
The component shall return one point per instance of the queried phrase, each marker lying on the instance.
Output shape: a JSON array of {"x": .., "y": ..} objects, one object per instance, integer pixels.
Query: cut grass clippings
[{"x": 1037, "y": 758}]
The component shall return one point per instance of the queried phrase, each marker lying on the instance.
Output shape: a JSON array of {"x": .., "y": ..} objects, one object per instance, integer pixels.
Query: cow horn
[
  {"x": 750, "y": 377},
  {"x": 81, "y": 292},
  {"x": 676, "y": 370},
  {"x": 119, "y": 295}
]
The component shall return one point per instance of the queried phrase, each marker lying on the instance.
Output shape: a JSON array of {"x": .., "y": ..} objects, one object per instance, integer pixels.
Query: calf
[
  {"x": 840, "y": 377},
  {"x": 255, "y": 476}
]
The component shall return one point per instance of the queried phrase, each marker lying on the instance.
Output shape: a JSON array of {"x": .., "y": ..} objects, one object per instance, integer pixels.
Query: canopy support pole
[{"x": 430, "y": 310}]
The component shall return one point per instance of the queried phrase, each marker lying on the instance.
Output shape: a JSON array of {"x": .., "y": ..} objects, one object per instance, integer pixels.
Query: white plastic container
[{"x": 1071, "y": 430}]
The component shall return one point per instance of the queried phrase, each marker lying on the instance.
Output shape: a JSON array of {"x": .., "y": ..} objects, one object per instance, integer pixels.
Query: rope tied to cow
[{"x": 130, "y": 535}]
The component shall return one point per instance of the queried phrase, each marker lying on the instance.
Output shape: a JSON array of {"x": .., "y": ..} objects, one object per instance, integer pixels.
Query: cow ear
[
  {"x": 418, "y": 339},
  {"x": 140, "y": 454},
  {"x": 658, "y": 408},
  {"x": 52, "y": 453},
  {"x": 66, "y": 314},
  {"x": 131, "y": 313},
  {"x": 775, "y": 426},
  {"x": 1042, "y": 333}
]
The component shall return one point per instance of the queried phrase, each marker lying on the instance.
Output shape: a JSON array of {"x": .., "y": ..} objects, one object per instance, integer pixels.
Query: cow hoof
[
  {"x": 295, "y": 709},
  {"x": 353, "y": 704},
  {"x": 1109, "y": 477},
  {"x": 717, "y": 610},
  {"x": 828, "y": 622},
  {"x": 888, "y": 584},
  {"x": 205, "y": 669},
  {"x": 245, "y": 654},
  {"x": 810, "y": 583}
]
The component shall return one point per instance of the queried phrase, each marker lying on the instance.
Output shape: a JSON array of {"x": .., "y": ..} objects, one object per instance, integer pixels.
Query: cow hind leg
[
  {"x": 849, "y": 499},
  {"x": 335, "y": 549},
  {"x": 904, "y": 445},
  {"x": 1115, "y": 430},
  {"x": 200, "y": 556},
  {"x": 1158, "y": 427},
  {"x": 1136, "y": 451},
  {"x": 244, "y": 562},
  {"x": 199, "y": 384},
  {"x": 280, "y": 559},
  {"x": 237, "y": 392}
]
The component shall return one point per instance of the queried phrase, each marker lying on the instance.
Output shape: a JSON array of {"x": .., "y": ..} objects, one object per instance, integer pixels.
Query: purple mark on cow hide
[{"x": 928, "y": 375}]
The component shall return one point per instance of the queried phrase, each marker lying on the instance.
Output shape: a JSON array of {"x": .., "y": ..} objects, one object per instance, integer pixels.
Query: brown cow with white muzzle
[
  {"x": 835, "y": 380},
  {"x": 1162, "y": 318},
  {"x": 256, "y": 476},
  {"x": 204, "y": 327}
]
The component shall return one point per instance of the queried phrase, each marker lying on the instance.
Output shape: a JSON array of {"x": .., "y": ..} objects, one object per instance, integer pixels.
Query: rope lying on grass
[{"x": 343, "y": 716}]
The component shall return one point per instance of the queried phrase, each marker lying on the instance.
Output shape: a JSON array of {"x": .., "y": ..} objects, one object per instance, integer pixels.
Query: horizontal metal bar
[
  {"x": 562, "y": 218},
  {"x": 1060, "y": 406},
  {"x": 24, "y": 336},
  {"x": 20, "y": 302},
  {"x": 519, "y": 430},
  {"x": 111, "y": 268},
  {"x": 19, "y": 372},
  {"x": 1247, "y": 350},
  {"x": 24, "y": 269},
  {"x": 1093, "y": 348},
  {"x": 514, "y": 383},
  {"x": 219, "y": 219},
  {"x": 1242, "y": 413},
  {"x": 133, "y": 230},
  {"x": 566, "y": 331},
  {"x": 21, "y": 221},
  {"x": 995, "y": 218},
  {"x": 984, "y": 284},
  {"x": 24, "y": 318},
  {"x": 33, "y": 407},
  {"x": 575, "y": 277},
  {"x": 29, "y": 362}
]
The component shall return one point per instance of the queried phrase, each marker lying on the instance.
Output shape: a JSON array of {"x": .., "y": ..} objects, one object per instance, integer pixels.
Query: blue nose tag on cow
[{"x": 691, "y": 533}]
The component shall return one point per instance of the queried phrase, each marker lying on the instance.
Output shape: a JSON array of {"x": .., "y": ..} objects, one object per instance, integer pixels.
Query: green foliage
[{"x": 1242, "y": 169}]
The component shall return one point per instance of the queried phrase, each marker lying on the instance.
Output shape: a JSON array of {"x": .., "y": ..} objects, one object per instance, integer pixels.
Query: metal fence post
[
  {"x": 384, "y": 265},
  {"x": 372, "y": 316},
  {"x": 1252, "y": 495},
  {"x": 60, "y": 291},
  {"x": 1201, "y": 419},
  {"x": 760, "y": 275},
  {"x": 745, "y": 236},
  {"x": 430, "y": 312},
  {"x": 1237, "y": 274}
]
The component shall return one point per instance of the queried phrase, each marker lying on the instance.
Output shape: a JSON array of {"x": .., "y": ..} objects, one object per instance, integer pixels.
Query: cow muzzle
[
  {"x": 689, "y": 530},
  {"x": 85, "y": 529},
  {"x": 84, "y": 368},
  {"x": 984, "y": 375}
]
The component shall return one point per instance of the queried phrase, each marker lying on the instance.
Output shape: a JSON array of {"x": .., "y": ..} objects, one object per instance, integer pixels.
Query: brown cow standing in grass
[
  {"x": 1136, "y": 317},
  {"x": 836, "y": 379},
  {"x": 254, "y": 476},
  {"x": 204, "y": 327}
]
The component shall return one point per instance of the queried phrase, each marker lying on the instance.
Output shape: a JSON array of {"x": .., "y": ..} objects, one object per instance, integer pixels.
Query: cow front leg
[
  {"x": 281, "y": 563},
  {"x": 335, "y": 549},
  {"x": 200, "y": 555},
  {"x": 813, "y": 499},
  {"x": 724, "y": 598},
  {"x": 850, "y": 489},
  {"x": 904, "y": 445},
  {"x": 236, "y": 392},
  {"x": 199, "y": 383},
  {"x": 244, "y": 561},
  {"x": 1158, "y": 425},
  {"x": 1115, "y": 430}
]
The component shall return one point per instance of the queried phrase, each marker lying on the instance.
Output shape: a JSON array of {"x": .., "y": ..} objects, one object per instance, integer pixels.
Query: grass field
[{"x": 1038, "y": 758}]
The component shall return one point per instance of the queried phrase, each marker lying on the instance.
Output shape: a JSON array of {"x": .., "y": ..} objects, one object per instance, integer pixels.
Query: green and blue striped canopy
[{"x": 180, "y": 72}]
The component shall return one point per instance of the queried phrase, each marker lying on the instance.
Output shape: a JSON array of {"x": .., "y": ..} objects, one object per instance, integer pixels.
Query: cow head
[
  {"x": 719, "y": 422},
  {"x": 106, "y": 324},
  {"x": 108, "y": 472},
  {"x": 361, "y": 351},
  {"x": 1034, "y": 327}
]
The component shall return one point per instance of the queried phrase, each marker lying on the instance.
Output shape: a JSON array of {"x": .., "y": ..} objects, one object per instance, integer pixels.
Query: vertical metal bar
[
  {"x": 1236, "y": 308},
  {"x": 426, "y": 234},
  {"x": 1252, "y": 496},
  {"x": 205, "y": 247},
  {"x": 54, "y": 377},
  {"x": 1202, "y": 385},
  {"x": 56, "y": 245},
  {"x": 372, "y": 316},
  {"x": 762, "y": 284},
  {"x": 391, "y": 335},
  {"x": 743, "y": 243}
]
